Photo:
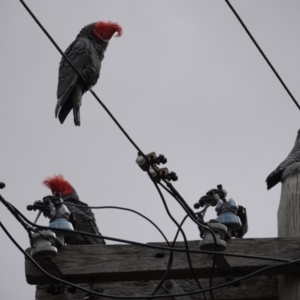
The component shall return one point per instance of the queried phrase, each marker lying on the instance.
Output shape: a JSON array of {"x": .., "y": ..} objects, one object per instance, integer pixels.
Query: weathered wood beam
[
  {"x": 118, "y": 263},
  {"x": 262, "y": 288}
]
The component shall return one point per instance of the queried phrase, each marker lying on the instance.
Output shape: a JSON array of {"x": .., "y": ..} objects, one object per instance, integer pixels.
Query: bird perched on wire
[
  {"x": 86, "y": 53},
  {"x": 293, "y": 157},
  {"x": 81, "y": 217}
]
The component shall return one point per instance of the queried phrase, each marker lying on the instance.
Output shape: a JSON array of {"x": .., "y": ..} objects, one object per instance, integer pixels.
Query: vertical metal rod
[{"x": 37, "y": 217}]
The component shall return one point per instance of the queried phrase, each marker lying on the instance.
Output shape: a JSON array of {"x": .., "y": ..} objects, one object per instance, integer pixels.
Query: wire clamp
[
  {"x": 149, "y": 162},
  {"x": 150, "y": 159}
]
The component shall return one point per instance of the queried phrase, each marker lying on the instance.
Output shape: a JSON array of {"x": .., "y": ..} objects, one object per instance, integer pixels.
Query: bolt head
[{"x": 168, "y": 284}]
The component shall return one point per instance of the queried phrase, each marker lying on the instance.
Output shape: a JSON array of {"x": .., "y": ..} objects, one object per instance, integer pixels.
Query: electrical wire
[
  {"x": 170, "y": 259},
  {"x": 131, "y": 210},
  {"x": 238, "y": 280},
  {"x": 122, "y": 208},
  {"x": 262, "y": 53},
  {"x": 155, "y": 246},
  {"x": 193, "y": 216},
  {"x": 13, "y": 211},
  {"x": 181, "y": 231}
]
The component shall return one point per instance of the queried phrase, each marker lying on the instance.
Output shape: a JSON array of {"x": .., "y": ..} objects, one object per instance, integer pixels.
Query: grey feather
[
  {"x": 86, "y": 53},
  {"x": 293, "y": 157},
  {"x": 84, "y": 221}
]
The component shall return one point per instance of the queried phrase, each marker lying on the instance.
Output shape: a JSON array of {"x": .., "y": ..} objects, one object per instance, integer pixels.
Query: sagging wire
[
  {"x": 181, "y": 231},
  {"x": 198, "y": 221},
  {"x": 238, "y": 280},
  {"x": 122, "y": 208},
  {"x": 166, "y": 240},
  {"x": 170, "y": 259},
  {"x": 186, "y": 207},
  {"x": 13, "y": 211},
  {"x": 262, "y": 53},
  {"x": 154, "y": 246}
]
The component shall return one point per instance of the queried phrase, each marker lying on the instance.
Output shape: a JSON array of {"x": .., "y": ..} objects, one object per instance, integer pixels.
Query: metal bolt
[
  {"x": 168, "y": 284},
  {"x": 159, "y": 255}
]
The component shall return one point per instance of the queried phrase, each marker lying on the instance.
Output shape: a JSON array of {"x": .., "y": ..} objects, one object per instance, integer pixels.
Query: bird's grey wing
[
  {"x": 293, "y": 157},
  {"x": 79, "y": 54},
  {"x": 86, "y": 222}
]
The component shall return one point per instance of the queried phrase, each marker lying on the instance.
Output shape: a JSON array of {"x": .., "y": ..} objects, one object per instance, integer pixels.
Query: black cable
[
  {"x": 187, "y": 209},
  {"x": 262, "y": 53},
  {"x": 78, "y": 73},
  {"x": 170, "y": 259},
  {"x": 154, "y": 246},
  {"x": 13, "y": 211},
  {"x": 131, "y": 210},
  {"x": 181, "y": 231},
  {"x": 174, "y": 241},
  {"x": 122, "y": 208},
  {"x": 192, "y": 215},
  {"x": 145, "y": 297},
  {"x": 171, "y": 253},
  {"x": 179, "y": 197}
]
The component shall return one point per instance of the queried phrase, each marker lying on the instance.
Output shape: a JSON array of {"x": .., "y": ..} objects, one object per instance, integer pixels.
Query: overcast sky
[{"x": 184, "y": 80}]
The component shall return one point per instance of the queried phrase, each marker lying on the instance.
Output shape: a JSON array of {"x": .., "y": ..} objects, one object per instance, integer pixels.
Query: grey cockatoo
[
  {"x": 86, "y": 53},
  {"x": 293, "y": 157},
  {"x": 81, "y": 216}
]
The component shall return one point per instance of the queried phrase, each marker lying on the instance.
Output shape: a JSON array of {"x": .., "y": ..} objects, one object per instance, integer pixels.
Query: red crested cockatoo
[
  {"x": 86, "y": 53},
  {"x": 82, "y": 216}
]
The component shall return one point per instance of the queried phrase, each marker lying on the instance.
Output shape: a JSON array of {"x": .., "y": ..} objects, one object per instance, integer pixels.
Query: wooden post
[{"x": 289, "y": 225}]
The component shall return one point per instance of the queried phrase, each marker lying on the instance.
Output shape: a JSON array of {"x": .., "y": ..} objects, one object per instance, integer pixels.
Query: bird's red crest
[
  {"x": 105, "y": 30},
  {"x": 57, "y": 183}
]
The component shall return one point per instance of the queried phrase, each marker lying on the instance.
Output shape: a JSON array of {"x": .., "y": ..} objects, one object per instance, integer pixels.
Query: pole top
[{"x": 294, "y": 168}]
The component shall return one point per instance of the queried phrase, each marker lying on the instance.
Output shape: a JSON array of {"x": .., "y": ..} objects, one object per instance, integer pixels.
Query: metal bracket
[
  {"x": 171, "y": 287},
  {"x": 49, "y": 265},
  {"x": 225, "y": 268}
]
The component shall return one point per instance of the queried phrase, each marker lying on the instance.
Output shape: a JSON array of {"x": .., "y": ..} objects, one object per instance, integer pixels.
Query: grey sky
[{"x": 184, "y": 80}]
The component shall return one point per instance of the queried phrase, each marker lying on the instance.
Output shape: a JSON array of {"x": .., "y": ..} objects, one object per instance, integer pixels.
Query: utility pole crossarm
[
  {"x": 119, "y": 263},
  {"x": 256, "y": 288}
]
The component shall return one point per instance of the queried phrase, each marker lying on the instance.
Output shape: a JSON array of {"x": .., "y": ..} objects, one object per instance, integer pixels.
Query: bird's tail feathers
[{"x": 273, "y": 178}]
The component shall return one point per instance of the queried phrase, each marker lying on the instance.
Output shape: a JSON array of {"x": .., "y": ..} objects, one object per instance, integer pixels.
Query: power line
[
  {"x": 262, "y": 53},
  {"x": 154, "y": 246},
  {"x": 181, "y": 231},
  {"x": 122, "y": 208}
]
